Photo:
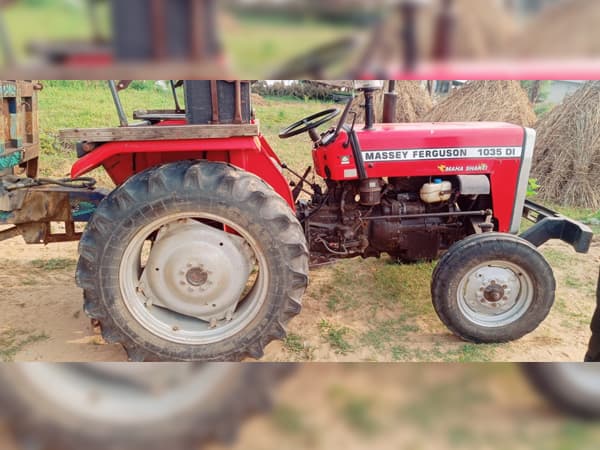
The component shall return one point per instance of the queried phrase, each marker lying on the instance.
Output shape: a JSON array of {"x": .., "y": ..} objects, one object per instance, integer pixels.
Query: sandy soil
[{"x": 42, "y": 308}]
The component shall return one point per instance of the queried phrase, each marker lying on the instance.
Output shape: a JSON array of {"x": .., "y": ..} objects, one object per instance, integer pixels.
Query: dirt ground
[
  {"x": 412, "y": 406},
  {"x": 42, "y": 318}
]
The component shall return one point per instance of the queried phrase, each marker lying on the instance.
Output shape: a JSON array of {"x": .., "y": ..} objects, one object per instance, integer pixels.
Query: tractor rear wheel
[
  {"x": 193, "y": 261},
  {"x": 134, "y": 406},
  {"x": 492, "y": 288}
]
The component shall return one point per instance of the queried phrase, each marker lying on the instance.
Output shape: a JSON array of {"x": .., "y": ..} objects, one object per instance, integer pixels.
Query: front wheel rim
[
  {"x": 174, "y": 326},
  {"x": 495, "y": 294}
]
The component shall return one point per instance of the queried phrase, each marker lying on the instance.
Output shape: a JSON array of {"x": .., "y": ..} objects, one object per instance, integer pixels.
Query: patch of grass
[
  {"x": 355, "y": 410},
  {"x": 559, "y": 258},
  {"x": 294, "y": 343},
  {"x": 471, "y": 353},
  {"x": 437, "y": 404},
  {"x": 574, "y": 434},
  {"x": 386, "y": 331},
  {"x": 357, "y": 413},
  {"x": 335, "y": 336},
  {"x": 464, "y": 353},
  {"x": 275, "y": 42},
  {"x": 53, "y": 264},
  {"x": 12, "y": 341},
  {"x": 571, "y": 317},
  {"x": 573, "y": 282},
  {"x": 288, "y": 419}
]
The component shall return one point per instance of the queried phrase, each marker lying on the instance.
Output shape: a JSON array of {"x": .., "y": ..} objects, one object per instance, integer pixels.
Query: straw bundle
[
  {"x": 567, "y": 29},
  {"x": 567, "y": 159},
  {"x": 503, "y": 100}
]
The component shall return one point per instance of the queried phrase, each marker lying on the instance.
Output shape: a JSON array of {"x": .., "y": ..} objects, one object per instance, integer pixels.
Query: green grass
[
  {"x": 274, "y": 42},
  {"x": 294, "y": 343},
  {"x": 288, "y": 419},
  {"x": 41, "y": 21},
  {"x": 356, "y": 411},
  {"x": 336, "y": 336},
  {"x": 88, "y": 104},
  {"x": 12, "y": 341},
  {"x": 558, "y": 257},
  {"x": 53, "y": 264},
  {"x": 85, "y": 104}
]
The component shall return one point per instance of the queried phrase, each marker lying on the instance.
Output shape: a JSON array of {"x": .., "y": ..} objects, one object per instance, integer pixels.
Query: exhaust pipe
[{"x": 390, "y": 101}]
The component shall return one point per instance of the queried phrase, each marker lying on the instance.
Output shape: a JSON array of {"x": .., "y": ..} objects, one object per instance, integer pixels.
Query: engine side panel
[{"x": 435, "y": 150}]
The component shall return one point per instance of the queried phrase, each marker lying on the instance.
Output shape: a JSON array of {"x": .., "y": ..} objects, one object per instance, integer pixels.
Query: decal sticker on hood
[{"x": 441, "y": 153}]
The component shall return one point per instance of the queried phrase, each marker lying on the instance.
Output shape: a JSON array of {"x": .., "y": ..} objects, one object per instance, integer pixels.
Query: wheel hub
[
  {"x": 196, "y": 276},
  {"x": 494, "y": 294},
  {"x": 196, "y": 270}
]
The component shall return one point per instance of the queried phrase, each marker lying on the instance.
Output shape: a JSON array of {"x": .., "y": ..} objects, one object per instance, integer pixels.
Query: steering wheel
[{"x": 309, "y": 123}]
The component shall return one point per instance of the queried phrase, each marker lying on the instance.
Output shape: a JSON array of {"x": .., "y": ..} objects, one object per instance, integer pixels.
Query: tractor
[{"x": 202, "y": 250}]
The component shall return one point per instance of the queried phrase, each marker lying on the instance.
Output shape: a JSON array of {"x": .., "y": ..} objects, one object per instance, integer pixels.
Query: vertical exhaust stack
[{"x": 390, "y": 102}]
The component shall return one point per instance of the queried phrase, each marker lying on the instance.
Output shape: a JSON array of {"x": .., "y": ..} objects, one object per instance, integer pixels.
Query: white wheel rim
[
  {"x": 495, "y": 294},
  {"x": 177, "y": 327}
]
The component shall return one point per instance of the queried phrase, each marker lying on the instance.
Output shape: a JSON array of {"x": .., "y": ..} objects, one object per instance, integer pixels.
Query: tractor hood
[{"x": 450, "y": 139}]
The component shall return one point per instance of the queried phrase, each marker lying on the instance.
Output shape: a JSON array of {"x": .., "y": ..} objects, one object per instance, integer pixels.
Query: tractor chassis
[{"x": 31, "y": 210}]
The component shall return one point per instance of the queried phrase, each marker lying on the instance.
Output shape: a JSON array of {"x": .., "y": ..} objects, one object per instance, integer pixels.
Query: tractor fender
[{"x": 122, "y": 160}]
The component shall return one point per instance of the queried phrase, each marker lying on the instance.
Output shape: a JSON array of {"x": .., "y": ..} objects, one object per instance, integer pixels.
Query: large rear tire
[
  {"x": 193, "y": 261},
  {"x": 133, "y": 406},
  {"x": 492, "y": 288}
]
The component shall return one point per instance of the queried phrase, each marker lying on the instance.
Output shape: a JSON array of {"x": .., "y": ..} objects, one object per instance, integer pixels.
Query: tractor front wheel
[
  {"x": 572, "y": 387},
  {"x": 193, "y": 261},
  {"x": 492, "y": 288}
]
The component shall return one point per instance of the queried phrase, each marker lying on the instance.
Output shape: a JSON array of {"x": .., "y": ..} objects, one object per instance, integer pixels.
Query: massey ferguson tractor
[{"x": 202, "y": 250}]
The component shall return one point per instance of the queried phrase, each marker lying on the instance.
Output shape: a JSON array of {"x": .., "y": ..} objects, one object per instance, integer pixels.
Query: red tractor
[{"x": 202, "y": 251}]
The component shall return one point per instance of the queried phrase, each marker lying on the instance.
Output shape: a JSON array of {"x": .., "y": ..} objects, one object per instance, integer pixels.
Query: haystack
[
  {"x": 567, "y": 158},
  {"x": 567, "y": 29},
  {"x": 481, "y": 29},
  {"x": 413, "y": 103},
  {"x": 503, "y": 101}
]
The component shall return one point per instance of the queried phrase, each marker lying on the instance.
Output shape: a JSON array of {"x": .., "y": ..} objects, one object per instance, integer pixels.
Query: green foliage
[
  {"x": 294, "y": 343},
  {"x": 543, "y": 108},
  {"x": 532, "y": 187},
  {"x": 544, "y": 89},
  {"x": 336, "y": 336},
  {"x": 288, "y": 419},
  {"x": 357, "y": 411},
  {"x": 303, "y": 90}
]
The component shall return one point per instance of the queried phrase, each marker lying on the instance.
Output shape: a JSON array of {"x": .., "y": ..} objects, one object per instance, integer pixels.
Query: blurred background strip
[{"x": 291, "y": 39}]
